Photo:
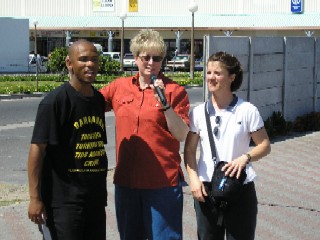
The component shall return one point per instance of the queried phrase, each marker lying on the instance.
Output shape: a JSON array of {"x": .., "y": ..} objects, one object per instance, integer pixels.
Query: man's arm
[{"x": 35, "y": 162}]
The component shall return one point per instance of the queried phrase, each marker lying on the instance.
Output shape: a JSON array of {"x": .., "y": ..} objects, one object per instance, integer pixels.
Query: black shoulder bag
[{"x": 223, "y": 189}]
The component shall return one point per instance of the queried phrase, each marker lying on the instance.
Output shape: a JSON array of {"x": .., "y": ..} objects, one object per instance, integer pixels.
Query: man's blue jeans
[{"x": 152, "y": 214}]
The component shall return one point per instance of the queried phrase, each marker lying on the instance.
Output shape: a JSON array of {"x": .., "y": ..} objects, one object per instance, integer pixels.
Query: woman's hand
[
  {"x": 197, "y": 189},
  {"x": 235, "y": 167},
  {"x": 262, "y": 148},
  {"x": 158, "y": 83}
]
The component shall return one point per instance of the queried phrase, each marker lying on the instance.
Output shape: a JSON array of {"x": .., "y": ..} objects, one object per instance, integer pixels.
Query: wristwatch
[
  {"x": 248, "y": 157},
  {"x": 165, "y": 108}
]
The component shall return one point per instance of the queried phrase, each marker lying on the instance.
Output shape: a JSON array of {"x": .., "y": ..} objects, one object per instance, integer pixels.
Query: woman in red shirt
[{"x": 148, "y": 193}]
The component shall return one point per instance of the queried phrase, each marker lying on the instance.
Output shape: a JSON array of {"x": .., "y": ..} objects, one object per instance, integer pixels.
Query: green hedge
[{"x": 13, "y": 84}]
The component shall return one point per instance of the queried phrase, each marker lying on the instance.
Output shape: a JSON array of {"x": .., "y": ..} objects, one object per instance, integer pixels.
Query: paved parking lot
[{"x": 288, "y": 192}]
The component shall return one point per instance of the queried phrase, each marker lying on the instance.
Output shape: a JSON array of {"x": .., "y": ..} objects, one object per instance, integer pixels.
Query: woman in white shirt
[{"x": 234, "y": 122}]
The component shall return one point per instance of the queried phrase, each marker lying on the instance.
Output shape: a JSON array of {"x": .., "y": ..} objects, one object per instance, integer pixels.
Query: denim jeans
[
  {"x": 153, "y": 214},
  {"x": 239, "y": 219}
]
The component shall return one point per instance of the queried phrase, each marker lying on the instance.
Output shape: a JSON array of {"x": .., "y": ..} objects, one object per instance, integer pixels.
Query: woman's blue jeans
[{"x": 153, "y": 214}]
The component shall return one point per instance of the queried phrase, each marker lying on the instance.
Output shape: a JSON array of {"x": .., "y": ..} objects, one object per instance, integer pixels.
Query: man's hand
[{"x": 36, "y": 211}]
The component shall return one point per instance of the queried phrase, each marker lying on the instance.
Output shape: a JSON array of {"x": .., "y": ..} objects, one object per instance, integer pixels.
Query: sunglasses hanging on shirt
[{"x": 216, "y": 128}]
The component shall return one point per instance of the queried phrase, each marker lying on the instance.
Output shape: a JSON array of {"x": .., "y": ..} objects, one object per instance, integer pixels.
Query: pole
[
  {"x": 178, "y": 40},
  {"x": 68, "y": 38},
  {"x": 110, "y": 39},
  {"x": 192, "y": 50},
  {"x": 122, "y": 43},
  {"x": 36, "y": 56}
]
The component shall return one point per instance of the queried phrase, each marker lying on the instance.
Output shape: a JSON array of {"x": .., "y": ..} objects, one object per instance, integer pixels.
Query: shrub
[
  {"x": 276, "y": 125},
  {"x": 307, "y": 122},
  {"x": 19, "y": 83},
  {"x": 57, "y": 60},
  {"x": 109, "y": 66}
]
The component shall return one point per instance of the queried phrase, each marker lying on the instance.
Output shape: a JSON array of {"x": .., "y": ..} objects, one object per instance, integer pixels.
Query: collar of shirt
[
  {"x": 231, "y": 107},
  {"x": 135, "y": 79}
]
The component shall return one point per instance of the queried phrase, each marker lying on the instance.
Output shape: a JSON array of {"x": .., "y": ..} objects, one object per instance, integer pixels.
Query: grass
[
  {"x": 27, "y": 86},
  {"x": 11, "y": 202},
  {"x": 13, "y": 194}
]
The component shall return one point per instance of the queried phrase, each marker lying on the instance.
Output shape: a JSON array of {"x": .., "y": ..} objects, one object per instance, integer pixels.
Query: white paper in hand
[{"x": 45, "y": 231}]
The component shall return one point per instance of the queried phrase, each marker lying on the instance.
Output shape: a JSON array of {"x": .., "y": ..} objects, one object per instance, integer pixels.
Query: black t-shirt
[{"x": 75, "y": 164}]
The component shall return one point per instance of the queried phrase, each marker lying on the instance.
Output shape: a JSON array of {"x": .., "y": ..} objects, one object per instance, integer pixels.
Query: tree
[
  {"x": 57, "y": 61},
  {"x": 108, "y": 66}
]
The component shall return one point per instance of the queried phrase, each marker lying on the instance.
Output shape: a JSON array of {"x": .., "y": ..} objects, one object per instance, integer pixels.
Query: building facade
[{"x": 59, "y": 21}]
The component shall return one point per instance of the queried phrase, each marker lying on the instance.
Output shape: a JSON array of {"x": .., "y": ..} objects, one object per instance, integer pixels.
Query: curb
[
  {"x": 22, "y": 95},
  {"x": 193, "y": 86}
]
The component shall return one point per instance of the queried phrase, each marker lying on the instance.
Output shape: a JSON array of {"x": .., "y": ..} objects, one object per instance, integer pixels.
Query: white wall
[
  {"x": 149, "y": 7},
  {"x": 14, "y": 47},
  {"x": 280, "y": 73}
]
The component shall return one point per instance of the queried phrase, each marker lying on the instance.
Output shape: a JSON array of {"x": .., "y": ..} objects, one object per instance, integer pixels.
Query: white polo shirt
[{"x": 233, "y": 137}]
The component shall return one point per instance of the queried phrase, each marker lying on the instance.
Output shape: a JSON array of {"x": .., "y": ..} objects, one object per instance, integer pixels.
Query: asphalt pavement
[{"x": 288, "y": 189}]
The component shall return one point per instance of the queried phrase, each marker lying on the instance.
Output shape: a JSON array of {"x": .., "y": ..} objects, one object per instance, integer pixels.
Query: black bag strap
[
  {"x": 212, "y": 144},
  {"x": 214, "y": 158}
]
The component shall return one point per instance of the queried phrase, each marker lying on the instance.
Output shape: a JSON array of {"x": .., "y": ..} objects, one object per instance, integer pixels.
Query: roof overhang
[{"x": 310, "y": 21}]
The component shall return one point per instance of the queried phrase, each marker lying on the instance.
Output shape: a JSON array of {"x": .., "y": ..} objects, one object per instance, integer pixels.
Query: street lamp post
[
  {"x": 123, "y": 16},
  {"x": 35, "y": 23},
  {"x": 193, "y": 7}
]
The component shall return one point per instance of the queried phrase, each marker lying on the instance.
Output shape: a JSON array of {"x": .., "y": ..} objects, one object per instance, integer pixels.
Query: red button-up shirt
[{"x": 147, "y": 153}]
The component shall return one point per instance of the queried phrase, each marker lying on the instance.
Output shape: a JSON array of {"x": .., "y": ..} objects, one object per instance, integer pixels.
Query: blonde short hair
[{"x": 146, "y": 40}]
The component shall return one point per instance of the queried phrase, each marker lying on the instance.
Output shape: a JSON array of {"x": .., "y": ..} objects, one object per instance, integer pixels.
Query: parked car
[
  {"x": 180, "y": 62},
  {"x": 198, "y": 65},
  {"x": 114, "y": 55},
  {"x": 42, "y": 63},
  {"x": 129, "y": 62},
  {"x": 98, "y": 47}
]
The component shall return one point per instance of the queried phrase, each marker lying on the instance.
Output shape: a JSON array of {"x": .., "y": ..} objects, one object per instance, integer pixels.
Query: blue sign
[{"x": 296, "y": 6}]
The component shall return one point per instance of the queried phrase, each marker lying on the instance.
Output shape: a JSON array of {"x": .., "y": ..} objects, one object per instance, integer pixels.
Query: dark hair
[
  {"x": 232, "y": 65},
  {"x": 76, "y": 44}
]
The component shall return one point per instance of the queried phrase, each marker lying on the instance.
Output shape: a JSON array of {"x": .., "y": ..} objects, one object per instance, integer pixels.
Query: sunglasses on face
[
  {"x": 216, "y": 128},
  {"x": 154, "y": 58}
]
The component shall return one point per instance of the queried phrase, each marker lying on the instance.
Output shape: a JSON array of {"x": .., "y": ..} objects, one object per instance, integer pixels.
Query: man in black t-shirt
[{"x": 67, "y": 165}]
